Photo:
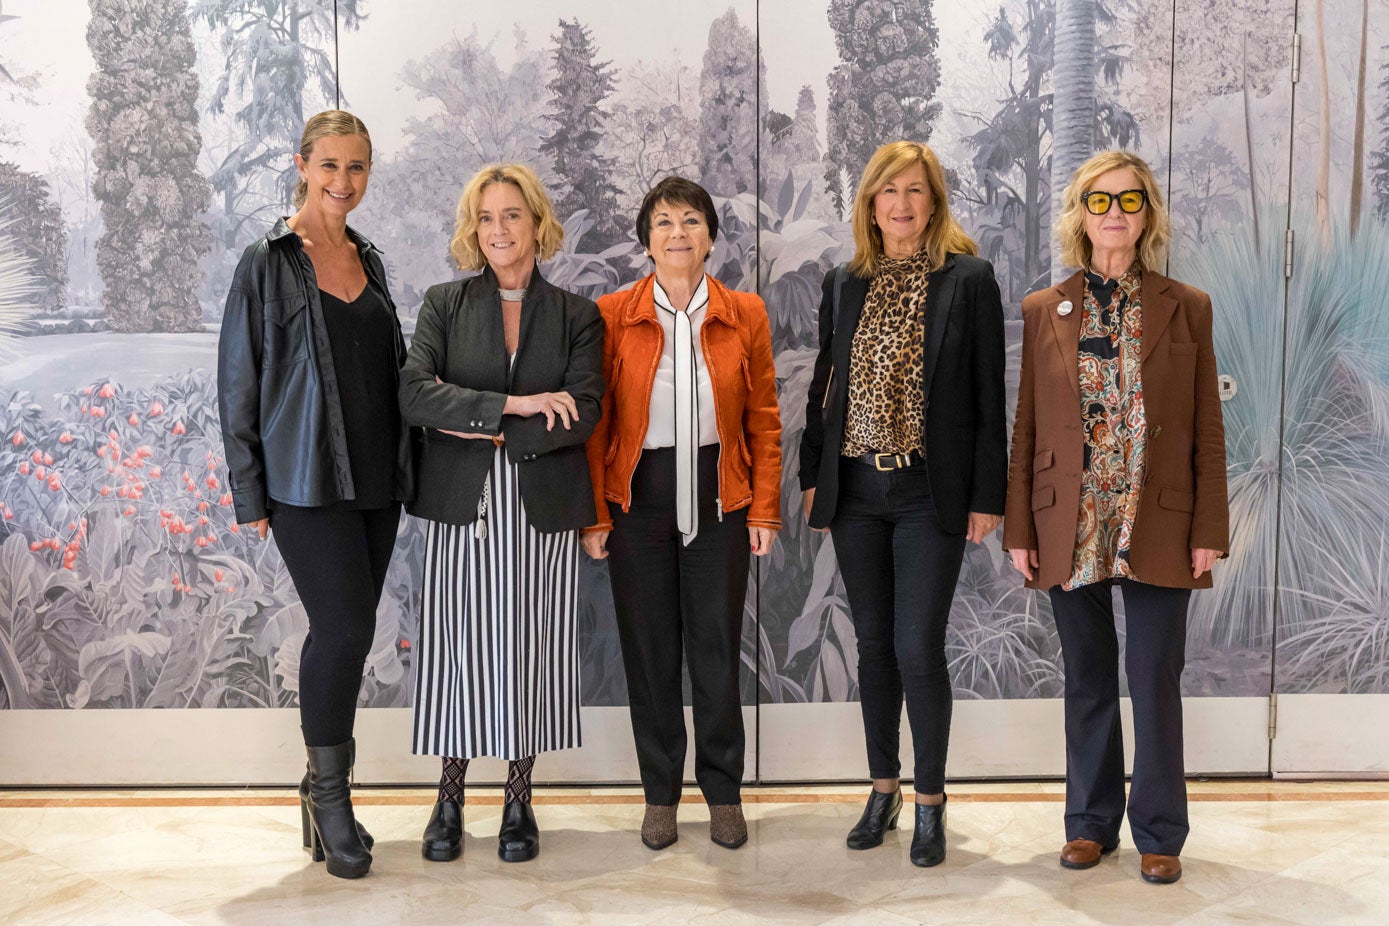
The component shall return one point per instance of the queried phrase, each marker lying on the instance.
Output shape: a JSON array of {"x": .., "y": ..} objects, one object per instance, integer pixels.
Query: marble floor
[{"x": 1260, "y": 852}]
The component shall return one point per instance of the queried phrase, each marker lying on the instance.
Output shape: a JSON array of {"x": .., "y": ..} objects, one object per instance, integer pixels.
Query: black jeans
[
  {"x": 899, "y": 569},
  {"x": 337, "y": 558},
  {"x": 1154, "y": 656},
  {"x": 673, "y": 600}
]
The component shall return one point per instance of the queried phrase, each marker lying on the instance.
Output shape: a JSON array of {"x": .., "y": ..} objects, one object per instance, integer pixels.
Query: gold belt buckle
[{"x": 896, "y": 458}]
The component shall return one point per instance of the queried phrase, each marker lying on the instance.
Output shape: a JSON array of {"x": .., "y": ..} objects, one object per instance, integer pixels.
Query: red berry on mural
[
  {"x": 129, "y": 510},
  {"x": 18, "y": 438},
  {"x": 133, "y": 419},
  {"x": 212, "y": 483},
  {"x": 65, "y": 437},
  {"x": 178, "y": 427},
  {"x": 98, "y": 412},
  {"x": 107, "y": 391},
  {"x": 156, "y": 409},
  {"x": 24, "y": 468},
  {"x": 36, "y": 546},
  {"x": 218, "y": 575},
  {"x": 54, "y": 483},
  {"x": 105, "y": 491}
]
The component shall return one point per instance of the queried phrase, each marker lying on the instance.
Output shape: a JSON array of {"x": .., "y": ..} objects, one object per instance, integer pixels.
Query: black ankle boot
[
  {"x": 928, "y": 842},
  {"x": 519, "y": 839},
  {"x": 308, "y": 830},
  {"x": 879, "y": 816},
  {"x": 443, "y": 835},
  {"x": 333, "y": 828}
]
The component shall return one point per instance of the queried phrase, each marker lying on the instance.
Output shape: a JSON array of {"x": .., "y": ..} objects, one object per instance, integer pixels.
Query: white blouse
[{"x": 660, "y": 430}]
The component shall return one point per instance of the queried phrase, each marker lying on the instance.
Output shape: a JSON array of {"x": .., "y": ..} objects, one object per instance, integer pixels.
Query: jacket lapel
[
  {"x": 940, "y": 293},
  {"x": 1158, "y": 309},
  {"x": 848, "y": 311},
  {"x": 1066, "y": 328},
  {"x": 484, "y": 322}
]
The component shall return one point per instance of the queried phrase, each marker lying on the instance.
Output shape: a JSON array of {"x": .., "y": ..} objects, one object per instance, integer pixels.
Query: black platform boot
[
  {"x": 519, "y": 838},
  {"x": 332, "y": 826},
  {"x": 367, "y": 840},
  {"x": 879, "y": 816},
  {"x": 928, "y": 843},
  {"x": 443, "y": 835}
]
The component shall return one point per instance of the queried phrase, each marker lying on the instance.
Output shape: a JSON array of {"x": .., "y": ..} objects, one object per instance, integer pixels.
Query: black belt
[{"x": 887, "y": 462}]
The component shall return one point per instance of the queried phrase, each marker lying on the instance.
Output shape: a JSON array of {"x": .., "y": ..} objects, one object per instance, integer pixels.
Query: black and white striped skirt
[{"x": 498, "y": 649}]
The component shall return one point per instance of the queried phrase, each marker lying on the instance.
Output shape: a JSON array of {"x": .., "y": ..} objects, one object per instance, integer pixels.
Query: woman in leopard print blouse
[{"x": 903, "y": 459}]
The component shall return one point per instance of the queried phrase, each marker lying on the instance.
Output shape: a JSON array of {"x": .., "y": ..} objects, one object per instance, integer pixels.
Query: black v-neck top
[{"x": 361, "y": 334}]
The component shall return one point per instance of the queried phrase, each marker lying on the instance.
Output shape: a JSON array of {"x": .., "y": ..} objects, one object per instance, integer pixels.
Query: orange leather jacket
[{"x": 737, "y": 341}]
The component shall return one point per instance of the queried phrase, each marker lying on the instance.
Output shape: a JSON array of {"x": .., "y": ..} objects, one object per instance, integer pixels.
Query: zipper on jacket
[
  {"x": 828, "y": 386},
  {"x": 709, "y": 364}
]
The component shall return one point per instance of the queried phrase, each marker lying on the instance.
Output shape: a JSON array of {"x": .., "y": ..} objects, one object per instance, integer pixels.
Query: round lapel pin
[{"x": 1064, "y": 308}]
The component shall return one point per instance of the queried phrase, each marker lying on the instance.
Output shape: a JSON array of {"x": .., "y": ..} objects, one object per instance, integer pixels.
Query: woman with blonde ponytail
[
  {"x": 903, "y": 459},
  {"x": 308, "y": 366}
]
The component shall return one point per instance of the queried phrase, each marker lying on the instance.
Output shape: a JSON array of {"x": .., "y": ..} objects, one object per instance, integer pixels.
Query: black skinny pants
[
  {"x": 337, "y": 558},
  {"x": 675, "y": 601},
  {"x": 899, "y": 569}
]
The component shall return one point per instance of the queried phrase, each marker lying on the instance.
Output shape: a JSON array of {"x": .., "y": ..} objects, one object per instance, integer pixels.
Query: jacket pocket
[
  {"x": 1042, "y": 460},
  {"x": 286, "y": 330},
  {"x": 1174, "y": 499},
  {"x": 1043, "y": 497},
  {"x": 1178, "y": 349}
]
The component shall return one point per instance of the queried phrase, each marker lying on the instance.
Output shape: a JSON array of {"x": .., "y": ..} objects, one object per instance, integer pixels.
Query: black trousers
[
  {"x": 672, "y": 599},
  {"x": 899, "y": 569},
  {"x": 1154, "y": 656},
  {"x": 337, "y": 558}
]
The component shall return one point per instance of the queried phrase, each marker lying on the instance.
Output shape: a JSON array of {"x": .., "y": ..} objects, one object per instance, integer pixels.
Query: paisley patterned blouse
[
  {"x": 1112, "y": 419},
  {"x": 886, "y": 390}
]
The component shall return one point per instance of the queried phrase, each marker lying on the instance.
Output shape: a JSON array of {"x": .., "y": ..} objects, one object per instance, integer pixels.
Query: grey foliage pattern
[
  {"x": 728, "y": 118},
  {"x": 272, "y": 52},
  {"x": 144, "y": 119},
  {"x": 36, "y": 224},
  {"x": 123, "y": 582},
  {"x": 885, "y": 85},
  {"x": 580, "y": 86}
]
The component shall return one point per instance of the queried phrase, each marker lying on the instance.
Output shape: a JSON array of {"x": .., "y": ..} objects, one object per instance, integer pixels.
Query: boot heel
[
  {"x": 315, "y": 844},
  {"x": 892, "y": 823},
  {"x": 305, "y": 824}
]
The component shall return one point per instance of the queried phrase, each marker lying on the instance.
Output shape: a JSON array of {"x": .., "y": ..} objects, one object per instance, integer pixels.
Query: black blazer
[
  {"x": 965, "y": 430},
  {"x": 459, "y": 338}
]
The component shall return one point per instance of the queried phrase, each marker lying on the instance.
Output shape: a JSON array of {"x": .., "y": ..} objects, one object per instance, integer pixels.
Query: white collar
[{"x": 698, "y": 301}]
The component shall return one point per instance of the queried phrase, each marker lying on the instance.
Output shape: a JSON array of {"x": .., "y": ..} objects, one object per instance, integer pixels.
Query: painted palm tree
[{"x": 1073, "y": 109}]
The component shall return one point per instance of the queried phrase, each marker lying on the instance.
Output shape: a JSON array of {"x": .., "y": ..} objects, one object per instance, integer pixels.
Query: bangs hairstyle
[
  {"x": 549, "y": 234},
  {"x": 329, "y": 123},
  {"x": 943, "y": 234},
  {"x": 677, "y": 191},
  {"x": 1076, "y": 249}
]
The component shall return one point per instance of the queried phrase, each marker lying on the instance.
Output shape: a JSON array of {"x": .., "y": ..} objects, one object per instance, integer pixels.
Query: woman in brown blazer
[{"x": 1117, "y": 478}]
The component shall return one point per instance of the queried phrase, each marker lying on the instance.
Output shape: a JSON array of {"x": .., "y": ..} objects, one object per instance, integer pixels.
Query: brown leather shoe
[
  {"x": 1083, "y": 853},
  {"x": 1160, "y": 869},
  {"x": 658, "y": 826}
]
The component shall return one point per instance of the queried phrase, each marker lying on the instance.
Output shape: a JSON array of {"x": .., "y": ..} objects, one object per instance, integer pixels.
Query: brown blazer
[{"x": 1182, "y": 505}]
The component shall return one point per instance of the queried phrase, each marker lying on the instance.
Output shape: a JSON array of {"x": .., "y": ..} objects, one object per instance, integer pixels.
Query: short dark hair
[{"x": 676, "y": 191}]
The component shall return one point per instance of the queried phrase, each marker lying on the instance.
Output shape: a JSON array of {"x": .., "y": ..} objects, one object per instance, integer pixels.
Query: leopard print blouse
[{"x": 885, "y": 361}]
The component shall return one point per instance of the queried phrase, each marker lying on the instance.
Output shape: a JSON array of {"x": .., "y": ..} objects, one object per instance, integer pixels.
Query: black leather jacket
[{"x": 277, "y": 391}]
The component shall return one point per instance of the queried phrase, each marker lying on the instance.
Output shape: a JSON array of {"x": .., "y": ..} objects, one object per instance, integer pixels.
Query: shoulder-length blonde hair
[
  {"x": 549, "y": 234},
  {"x": 943, "y": 234},
  {"x": 327, "y": 124},
  {"x": 1076, "y": 249}
]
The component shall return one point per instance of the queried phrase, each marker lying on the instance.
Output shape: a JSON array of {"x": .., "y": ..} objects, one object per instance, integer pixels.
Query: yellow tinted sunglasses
[{"x": 1130, "y": 201}]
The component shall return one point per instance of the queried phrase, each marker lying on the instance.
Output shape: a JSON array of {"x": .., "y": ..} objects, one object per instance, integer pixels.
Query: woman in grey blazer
[{"x": 505, "y": 373}]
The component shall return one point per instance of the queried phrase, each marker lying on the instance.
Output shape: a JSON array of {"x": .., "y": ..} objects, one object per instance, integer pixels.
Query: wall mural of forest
[{"x": 144, "y": 143}]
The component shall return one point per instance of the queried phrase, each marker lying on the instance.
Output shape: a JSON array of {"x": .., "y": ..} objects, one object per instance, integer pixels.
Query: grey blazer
[{"x": 459, "y": 338}]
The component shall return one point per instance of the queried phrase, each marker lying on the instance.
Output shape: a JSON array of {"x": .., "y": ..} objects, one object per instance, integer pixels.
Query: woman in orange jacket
[{"x": 686, "y": 469}]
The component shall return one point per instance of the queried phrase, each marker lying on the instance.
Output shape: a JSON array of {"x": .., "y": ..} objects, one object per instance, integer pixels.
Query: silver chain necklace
[{"x": 512, "y": 295}]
